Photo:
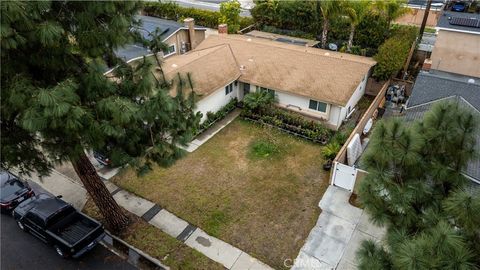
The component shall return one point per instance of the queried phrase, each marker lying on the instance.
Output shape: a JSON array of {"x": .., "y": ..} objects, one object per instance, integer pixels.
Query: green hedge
[
  {"x": 172, "y": 11},
  {"x": 393, "y": 53},
  {"x": 292, "y": 123}
]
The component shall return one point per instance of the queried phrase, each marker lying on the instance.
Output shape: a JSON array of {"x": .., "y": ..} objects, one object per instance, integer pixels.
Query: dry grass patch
[
  {"x": 158, "y": 244},
  {"x": 264, "y": 204}
]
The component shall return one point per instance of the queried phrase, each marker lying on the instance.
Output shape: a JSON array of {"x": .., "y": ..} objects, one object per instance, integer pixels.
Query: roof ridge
[
  {"x": 307, "y": 50},
  {"x": 202, "y": 56},
  {"x": 459, "y": 80}
]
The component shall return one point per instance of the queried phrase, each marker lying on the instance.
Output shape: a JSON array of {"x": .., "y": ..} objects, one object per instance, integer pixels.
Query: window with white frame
[
  {"x": 317, "y": 105},
  {"x": 228, "y": 89},
  {"x": 169, "y": 51}
]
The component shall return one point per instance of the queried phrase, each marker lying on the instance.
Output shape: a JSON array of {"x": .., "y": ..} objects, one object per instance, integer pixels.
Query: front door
[{"x": 246, "y": 89}]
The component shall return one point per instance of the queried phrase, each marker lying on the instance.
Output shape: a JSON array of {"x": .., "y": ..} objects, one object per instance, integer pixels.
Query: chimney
[
  {"x": 190, "y": 24},
  {"x": 427, "y": 64},
  {"x": 223, "y": 28}
]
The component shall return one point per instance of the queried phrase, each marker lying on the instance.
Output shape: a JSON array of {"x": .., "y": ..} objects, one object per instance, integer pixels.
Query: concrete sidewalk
[
  {"x": 340, "y": 229},
  {"x": 209, "y": 133},
  {"x": 215, "y": 249},
  {"x": 59, "y": 184}
]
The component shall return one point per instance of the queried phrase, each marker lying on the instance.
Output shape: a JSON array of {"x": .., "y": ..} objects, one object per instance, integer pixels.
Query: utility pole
[
  {"x": 424, "y": 22},
  {"x": 419, "y": 38}
]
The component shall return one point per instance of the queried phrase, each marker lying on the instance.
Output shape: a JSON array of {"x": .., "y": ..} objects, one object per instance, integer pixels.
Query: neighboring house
[
  {"x": 436, "y": 86},
  {"x": 457, "y": 47},
  {"x": 452, "y": 73},
  {"x": 179, "y": 38},
  {"x": 317, "y": 83}
]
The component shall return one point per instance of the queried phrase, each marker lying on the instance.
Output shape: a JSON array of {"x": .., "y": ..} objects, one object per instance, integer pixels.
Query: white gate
[{"x": 344, "y": 176}]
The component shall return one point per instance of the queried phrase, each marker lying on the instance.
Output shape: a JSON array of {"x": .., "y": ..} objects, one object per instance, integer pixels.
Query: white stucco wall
[
  {"x": 357, "y": 95},
  {"x": 215, "y": 101},
  {"x": 297, "y": 103},
  {"x": 338, "y": 113},
  {"x": 334, "y": 114}
]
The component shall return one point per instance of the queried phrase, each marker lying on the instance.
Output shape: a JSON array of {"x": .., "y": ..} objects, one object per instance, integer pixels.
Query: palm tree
[
  {"x": 356, "y": 12},
  {"x": 328, "y": 10},
  {"x": 391, "y": 9}
]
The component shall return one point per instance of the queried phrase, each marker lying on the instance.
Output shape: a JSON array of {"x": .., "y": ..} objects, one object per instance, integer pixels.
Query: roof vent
[
  {"x": 250, "y": 60},
  {"x": 174, "y": 65},
  {"x": 471, "y": 80},
  {"x": 249, "y": 39},
  {"x": 327, "y": 54},
  {"x": 242, "y": 67}
]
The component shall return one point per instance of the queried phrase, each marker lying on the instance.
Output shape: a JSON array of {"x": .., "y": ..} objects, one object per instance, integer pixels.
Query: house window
[
  {"x": 228, "y": 89},
  {"x": 317, "y": 105},
  {"x": 169, "y": 51},
  {"x": 263, "y": 89}
]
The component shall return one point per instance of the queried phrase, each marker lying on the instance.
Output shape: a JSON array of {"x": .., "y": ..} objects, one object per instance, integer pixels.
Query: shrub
[
  {"x": 258, "y": 101},
  {"x": 290, "y": 122},
  {"x": 172, "y": 11},
  {"x": 393, "y": 53},
  {"x": 230, "y": 14},
  {"x": 331, "y": 150}
]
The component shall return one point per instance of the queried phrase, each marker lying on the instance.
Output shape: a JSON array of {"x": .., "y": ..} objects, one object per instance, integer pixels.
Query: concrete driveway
[{"x": 340, "y": 229}]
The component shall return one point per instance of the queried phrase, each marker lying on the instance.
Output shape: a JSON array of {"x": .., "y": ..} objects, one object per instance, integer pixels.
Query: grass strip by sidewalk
[{"x": 158, "y": 244}]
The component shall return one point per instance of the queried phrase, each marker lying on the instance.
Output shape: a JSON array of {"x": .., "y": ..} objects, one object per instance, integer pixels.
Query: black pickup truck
[{"x": 57, "y": 223}]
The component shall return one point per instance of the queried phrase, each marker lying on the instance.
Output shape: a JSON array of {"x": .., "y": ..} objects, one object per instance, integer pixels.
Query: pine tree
[
  {"x": 415, "y": 188},
  {"x": 56, "y": 103}
]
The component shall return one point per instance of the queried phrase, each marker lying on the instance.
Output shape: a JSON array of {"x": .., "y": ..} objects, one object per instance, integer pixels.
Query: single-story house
[
  {"x": 434, "y": 86},
  {"x": 179, "y": 38},
  {"x": 319, "y": 84}
]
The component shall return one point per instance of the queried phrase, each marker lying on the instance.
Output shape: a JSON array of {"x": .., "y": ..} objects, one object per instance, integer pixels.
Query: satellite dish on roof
[
  {"x": 471, "y": 80},
  {"x": 332, "y": 46}
]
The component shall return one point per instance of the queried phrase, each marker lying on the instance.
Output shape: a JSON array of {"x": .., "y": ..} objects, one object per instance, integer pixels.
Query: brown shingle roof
[
  {"x": 210, "y": 68},
  {"x": 314, "y": 73}
]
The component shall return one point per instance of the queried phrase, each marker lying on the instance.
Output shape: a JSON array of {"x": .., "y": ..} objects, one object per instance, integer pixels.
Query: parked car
[
  {"x": 57, "y": 223},
  {"x": 13, "y": 191},
  {"x": 459, "y": 7},
  {"x": 102, "y": 158}
]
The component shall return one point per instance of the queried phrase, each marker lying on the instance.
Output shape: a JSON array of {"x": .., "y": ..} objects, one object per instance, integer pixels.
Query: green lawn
[{"x": 253, "y": 187}]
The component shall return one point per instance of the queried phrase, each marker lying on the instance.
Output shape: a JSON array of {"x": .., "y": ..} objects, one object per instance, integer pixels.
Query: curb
[{"x": 133, "y": 255}]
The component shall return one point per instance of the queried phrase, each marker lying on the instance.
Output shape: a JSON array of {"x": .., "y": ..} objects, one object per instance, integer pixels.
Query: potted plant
[{"x": 329, "y": 152}]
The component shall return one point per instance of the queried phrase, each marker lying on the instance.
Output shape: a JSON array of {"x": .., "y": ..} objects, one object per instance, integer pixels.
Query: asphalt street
[{"x": 20, "y": 250}]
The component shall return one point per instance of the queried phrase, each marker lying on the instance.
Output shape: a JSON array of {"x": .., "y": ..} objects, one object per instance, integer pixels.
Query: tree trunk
[
  {"x": 159, "y": 63},
  {"x": 114, "y": 217},
  {"x": 325, "y": 33},
  {"x": 350, "y": 38}
]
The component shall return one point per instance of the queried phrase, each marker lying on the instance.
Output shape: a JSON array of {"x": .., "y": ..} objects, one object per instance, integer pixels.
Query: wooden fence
[{"x": 342, "y": 154}]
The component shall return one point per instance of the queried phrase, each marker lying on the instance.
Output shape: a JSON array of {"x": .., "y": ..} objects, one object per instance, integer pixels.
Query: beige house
[
  {"x": 321, "y": 84},
  {"x": 457, "y": 48}
]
